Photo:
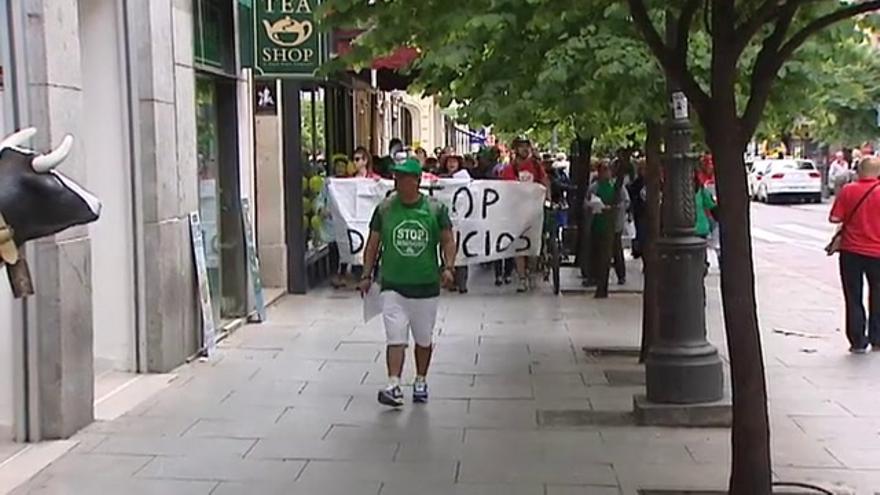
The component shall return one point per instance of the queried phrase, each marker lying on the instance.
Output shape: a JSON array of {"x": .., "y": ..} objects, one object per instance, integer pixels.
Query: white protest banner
[{"x": 492, "y": 219}]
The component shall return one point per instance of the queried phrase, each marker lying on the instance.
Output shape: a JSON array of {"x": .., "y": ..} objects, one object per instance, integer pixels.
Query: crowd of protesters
[{"x": 609, "y": 211}]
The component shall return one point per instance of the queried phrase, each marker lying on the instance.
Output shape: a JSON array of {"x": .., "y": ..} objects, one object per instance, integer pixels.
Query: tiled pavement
[{"x": 288, "y": 407}]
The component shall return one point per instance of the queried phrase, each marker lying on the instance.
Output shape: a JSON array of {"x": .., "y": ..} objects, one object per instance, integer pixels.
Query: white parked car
[{"x": 794, "y": 179}]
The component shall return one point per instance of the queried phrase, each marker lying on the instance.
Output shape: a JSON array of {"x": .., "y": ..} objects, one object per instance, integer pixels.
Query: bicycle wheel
[{"x": 555, "y": 262}]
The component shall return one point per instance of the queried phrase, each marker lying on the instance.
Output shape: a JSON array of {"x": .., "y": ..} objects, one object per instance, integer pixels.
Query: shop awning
[{"x": 389, "y": 68}]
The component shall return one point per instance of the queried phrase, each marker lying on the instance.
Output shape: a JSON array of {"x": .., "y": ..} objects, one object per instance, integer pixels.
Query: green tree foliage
[
  {"x": 520, "y": 65},
  {"x": 828, "y": 91},
  {"x": 533, "y": 65}
]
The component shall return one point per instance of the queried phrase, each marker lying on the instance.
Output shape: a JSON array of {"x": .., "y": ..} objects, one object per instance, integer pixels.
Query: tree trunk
[
  {"x": 581, "y": 155},
  {"x": 651, "y": 297},
  {"x": 751, "y": 464}
]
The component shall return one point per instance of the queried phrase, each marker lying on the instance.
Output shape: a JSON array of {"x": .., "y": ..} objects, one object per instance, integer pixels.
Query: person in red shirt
[
  {"x": 524, "y": 168},
  {"x": 857, "y": 210}
]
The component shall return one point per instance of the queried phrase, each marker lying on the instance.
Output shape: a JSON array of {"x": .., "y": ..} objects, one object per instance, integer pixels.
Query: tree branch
[
  {"x": 748, "y": 29},
  {"x": 669, "y": 59},
  {"x": 685, "y": 20},
  {"x": 765, "y": 68},
  {"x": 643, "y": 23}
]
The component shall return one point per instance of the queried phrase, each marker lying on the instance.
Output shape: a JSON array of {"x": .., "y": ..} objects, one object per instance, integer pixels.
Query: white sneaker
[
  {"x": 420, "y": 391},
  {"x": 391, "y": 396}
]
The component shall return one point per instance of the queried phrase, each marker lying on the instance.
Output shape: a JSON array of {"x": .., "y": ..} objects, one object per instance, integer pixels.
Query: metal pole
[{"x": 682, "y": 366}]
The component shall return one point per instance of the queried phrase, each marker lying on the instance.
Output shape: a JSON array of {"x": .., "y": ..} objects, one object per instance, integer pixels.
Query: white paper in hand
[
  {"x": 595, "y": 204},
  {"x": 372, "y": 303}
]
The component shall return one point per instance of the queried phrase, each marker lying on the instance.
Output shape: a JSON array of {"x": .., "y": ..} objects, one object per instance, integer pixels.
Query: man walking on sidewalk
[
  {"x": 856, "y": 209},
  {"x": 409, "y": 227}
]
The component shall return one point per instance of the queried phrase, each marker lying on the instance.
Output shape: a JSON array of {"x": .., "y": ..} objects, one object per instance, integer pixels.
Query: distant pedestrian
[
  {"x": 363, "y": 164},
  {"x": 607, "y": 229},
  {"x": 706, "y": 217},
  {"x": 838, "y": 172},
  {"x": 452, "y": 167},
  {"x": 638, "y": 196},
  {"x": 856, "y": 210},
  {"x": 421, "y": 155},
  {"x": 524, "y": 168},
  {"x": 413, "y": 233}
]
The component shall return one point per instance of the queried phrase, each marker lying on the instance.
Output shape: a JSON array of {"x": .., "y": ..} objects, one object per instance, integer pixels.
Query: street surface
[{"x": 517, "y": 408}]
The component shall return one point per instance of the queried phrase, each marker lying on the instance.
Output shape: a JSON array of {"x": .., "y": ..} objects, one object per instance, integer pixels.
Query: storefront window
[
  {"x": 314, "y": 149},
  {"x": 209, "y": 188}
]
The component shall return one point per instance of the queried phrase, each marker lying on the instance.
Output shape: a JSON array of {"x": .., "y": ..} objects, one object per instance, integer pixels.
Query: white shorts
[{"x": 403, "y": 316}]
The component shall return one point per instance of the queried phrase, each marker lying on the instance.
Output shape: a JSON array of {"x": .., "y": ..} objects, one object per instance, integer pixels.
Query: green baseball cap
[{"x": 410, "y": 167}]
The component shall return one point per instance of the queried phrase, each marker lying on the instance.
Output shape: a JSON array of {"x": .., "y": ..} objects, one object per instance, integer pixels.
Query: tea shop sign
[{"x": 287, "y": 41}]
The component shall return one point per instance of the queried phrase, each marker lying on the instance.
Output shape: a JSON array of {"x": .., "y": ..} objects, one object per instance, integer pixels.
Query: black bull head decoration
[{"x": 36, "y": 201}]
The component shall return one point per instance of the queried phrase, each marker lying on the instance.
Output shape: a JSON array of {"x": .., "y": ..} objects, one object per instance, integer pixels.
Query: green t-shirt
[
  {"x": 410, "y": 245},
  {"x": 604, "y": 220},
  {"x": 703, "y": 201}
]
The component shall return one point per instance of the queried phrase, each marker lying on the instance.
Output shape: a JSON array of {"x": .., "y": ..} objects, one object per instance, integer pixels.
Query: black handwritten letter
[
  {"x": 490, "y": 197},
  {"x": 470, "y": 201},
  {"x": 355, "y": 241}
]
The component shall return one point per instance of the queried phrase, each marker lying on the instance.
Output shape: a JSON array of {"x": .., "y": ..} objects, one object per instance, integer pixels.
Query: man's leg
[
  {"x": 461, "y": 279},
  {"x": 851, "y": 276},
  {"x": 873, "y": 271},
  {"x": 521, "y": 272},
  {"x": 423, "y": 359},
  {"x": 619, "y": 260},
  {"x": 397, "y": 337},
  {"x": 602, "y": 255},
  {"x": 394, "y": 358},
  {"x": 423, "y": 317}
]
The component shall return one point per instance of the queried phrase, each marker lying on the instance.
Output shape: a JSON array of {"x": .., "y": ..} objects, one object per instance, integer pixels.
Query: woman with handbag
[{"x": 857, "y": 210}]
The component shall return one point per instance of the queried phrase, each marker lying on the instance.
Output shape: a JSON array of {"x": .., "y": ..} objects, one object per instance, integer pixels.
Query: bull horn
[
  {"x": 47, "y": 162},
  {"x": 18, "y": 138}
]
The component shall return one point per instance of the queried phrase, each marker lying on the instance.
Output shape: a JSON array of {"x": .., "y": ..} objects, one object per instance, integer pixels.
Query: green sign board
[{"x": 287, "y": 41}]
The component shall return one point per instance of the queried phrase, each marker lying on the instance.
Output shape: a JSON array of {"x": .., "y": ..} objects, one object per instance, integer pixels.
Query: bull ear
[
  {"x": 47, "y": 162},
  {"x": 18, "y": 139}
]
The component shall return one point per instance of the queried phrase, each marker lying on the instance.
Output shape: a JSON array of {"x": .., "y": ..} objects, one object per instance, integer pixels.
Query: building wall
[
  {"x": 427, "y": 120},
  {"x": 163, "y": 37},
  {"x": 61, "y": 264},
  {"x": 85, "y": 277},
  {"x": 105, "y": 138},
  {"x": 271, "y": 240}
]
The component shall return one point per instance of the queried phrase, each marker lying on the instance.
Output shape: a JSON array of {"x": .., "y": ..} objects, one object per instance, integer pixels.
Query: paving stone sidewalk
[{"x": 517, "y": 408}]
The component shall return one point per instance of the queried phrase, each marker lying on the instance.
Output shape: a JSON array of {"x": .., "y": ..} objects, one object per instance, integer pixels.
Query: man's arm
[
  {"x": 447, "y": 248},
  {"x": 841, "y": 205}
]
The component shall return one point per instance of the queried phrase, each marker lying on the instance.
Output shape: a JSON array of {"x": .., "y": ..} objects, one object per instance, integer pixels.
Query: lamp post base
[
  {"x": 684, "y": 375},
  {"x": 682, "y": 367},
  {"x": 718, "y": 414}
]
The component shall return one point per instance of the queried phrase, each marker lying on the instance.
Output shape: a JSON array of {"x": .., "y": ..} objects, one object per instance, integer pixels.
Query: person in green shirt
[
  {"x": 607, "y": 228},
  {"x": 413, "y": 233},
  {"x": 704, "y": 204}
]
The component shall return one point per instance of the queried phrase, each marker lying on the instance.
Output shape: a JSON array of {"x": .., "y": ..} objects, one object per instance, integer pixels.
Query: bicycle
[{"x": 550, "y": 259}]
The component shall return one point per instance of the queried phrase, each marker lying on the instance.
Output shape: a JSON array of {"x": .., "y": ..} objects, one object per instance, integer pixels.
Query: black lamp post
[{"x": 682, "y": 367}]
